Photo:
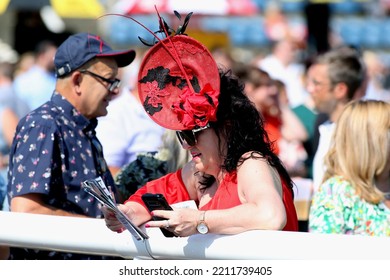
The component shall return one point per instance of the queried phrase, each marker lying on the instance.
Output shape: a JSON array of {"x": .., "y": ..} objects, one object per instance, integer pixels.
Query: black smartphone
[{"x": 157, "y": 201}]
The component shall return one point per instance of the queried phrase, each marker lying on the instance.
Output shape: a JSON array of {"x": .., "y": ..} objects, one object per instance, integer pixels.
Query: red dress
[
  {"x": 226, "y": 196},
  {"x": 273, "y": 126}
]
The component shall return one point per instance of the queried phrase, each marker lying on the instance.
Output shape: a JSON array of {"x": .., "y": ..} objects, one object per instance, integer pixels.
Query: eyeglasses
[
  {"x": 189, "y": 136},
  {"x": 112, "y": 84}
]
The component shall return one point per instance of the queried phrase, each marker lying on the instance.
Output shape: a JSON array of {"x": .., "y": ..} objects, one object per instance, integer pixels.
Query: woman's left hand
[{"x": 182, "y": 222}]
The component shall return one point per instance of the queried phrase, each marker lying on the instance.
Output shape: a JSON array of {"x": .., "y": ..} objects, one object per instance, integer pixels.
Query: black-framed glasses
[
  {"x": 189, "y": 136},
  {"x": 112, "y": 84}
]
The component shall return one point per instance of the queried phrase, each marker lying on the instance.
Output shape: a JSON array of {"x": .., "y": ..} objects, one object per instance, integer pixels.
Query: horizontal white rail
[{"x": 91, "y": 236}]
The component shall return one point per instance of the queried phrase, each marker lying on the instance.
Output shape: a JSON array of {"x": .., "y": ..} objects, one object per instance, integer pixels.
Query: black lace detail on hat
[
  {"x": 151, "y": 110},
  {"x": 163, "y": 78}
]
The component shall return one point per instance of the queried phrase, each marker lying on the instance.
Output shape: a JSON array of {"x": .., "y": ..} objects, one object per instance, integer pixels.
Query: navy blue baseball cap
[{"x": 82, "y": 47}]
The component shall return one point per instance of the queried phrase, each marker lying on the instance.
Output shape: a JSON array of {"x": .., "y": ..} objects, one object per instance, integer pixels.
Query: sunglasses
[
  {"x": 189, "y": 136},
  {"x": 112, "y": 84}
]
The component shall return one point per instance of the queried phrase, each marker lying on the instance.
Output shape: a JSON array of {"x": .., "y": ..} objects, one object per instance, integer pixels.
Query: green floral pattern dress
[{"x": 336, "y": 208}]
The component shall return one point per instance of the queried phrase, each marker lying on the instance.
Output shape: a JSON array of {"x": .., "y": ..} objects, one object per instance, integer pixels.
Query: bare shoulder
[
  {"x": 256, "y": 172},
  {"x": 253, "y": 163}
]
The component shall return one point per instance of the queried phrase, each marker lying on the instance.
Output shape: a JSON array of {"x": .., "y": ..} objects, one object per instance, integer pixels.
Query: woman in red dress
[{"x": 234, "y": 177}]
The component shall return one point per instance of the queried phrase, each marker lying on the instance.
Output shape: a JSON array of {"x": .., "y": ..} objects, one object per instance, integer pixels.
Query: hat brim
[
  {"x": 122, "y": 58},
  {"x": 161, "y": 77}
]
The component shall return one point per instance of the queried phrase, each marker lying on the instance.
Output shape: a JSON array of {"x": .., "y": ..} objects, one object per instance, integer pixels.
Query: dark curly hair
[{"x": 239, "y": 122}]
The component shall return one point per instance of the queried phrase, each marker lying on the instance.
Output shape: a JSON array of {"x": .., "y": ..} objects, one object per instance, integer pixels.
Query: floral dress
[{"x": 336, "y": 208}]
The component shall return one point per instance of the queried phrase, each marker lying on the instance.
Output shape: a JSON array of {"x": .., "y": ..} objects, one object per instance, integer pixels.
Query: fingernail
[{"x": 147, "y": 225}]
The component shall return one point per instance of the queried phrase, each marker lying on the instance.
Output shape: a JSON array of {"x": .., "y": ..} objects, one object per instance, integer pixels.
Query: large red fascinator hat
[{"x": 178, "y": 81}]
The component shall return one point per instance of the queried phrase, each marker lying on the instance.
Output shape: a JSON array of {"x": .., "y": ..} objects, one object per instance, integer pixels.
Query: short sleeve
[{"x": 33, "y": 165}]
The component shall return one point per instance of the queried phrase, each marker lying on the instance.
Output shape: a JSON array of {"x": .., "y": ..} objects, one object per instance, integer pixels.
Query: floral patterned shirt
[
  {"x": 54, "y": 150},
  {"x": 336, "y": 208}
]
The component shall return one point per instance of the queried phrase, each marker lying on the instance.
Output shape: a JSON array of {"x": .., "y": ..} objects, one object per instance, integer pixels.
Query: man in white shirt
[
  {"x": 334, "y": 79},
  {"x": 282, "y": 65},
  {"x": 127, "y": 130}
]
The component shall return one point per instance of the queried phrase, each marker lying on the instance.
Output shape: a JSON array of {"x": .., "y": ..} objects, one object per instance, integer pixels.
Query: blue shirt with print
[{"x": 53, "y": 152}]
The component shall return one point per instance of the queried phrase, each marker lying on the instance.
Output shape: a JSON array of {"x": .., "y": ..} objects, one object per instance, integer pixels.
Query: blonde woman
[{"x": 354, "y": 197}]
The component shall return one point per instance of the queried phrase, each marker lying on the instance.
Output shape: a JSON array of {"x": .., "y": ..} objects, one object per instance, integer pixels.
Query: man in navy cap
[{"x": 55, "y": 148}]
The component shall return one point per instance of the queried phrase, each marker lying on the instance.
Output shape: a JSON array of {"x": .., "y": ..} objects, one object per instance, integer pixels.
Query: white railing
[{"x": 91, "y": 236}]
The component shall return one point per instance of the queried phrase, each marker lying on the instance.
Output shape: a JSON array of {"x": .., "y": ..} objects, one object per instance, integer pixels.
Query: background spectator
[
  {"x": 283, "y": 127},
  {"x": 376, "y": 72},
  {"x": 25, "y": 62},
  {"x": 333, "y": 80},
  {"x": 356, "y": 190},
  {"x": 36, "y": 85},
  {"x": 7, "y": 95},
  {"x": 8, "y": 122},
  {"x": 11, "y": 109},
  {"x": 283, "y": 64}
]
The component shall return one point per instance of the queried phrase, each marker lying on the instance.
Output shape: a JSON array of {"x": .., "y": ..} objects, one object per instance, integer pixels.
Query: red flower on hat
[
  {"x": 155, "y": 93},
  {"x": 197, "y": 109}
]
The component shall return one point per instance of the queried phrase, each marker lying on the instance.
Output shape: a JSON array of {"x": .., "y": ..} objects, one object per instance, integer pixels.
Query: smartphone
[{"x": 157, "y": 202}]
